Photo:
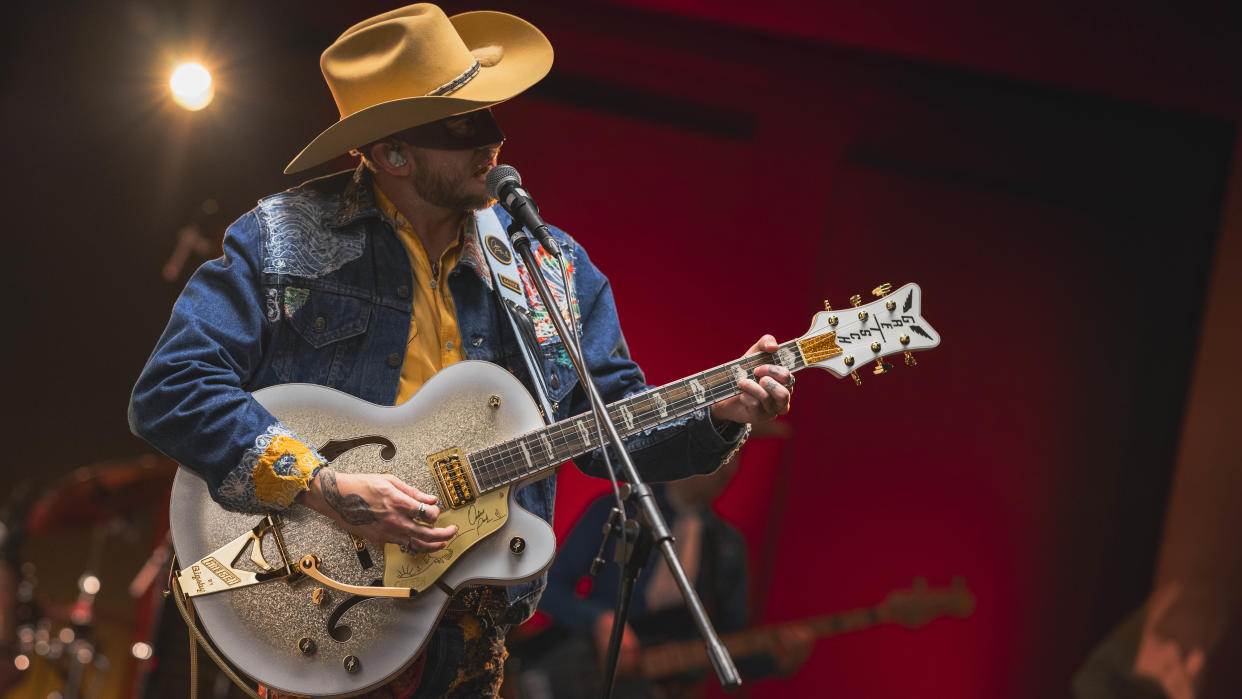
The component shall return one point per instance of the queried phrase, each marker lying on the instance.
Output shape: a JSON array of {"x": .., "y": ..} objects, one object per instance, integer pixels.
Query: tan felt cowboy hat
[{"x": 415, "y": 65}]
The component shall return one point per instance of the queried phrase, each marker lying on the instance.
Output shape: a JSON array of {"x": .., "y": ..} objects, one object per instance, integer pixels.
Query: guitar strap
[{"x": 508, "y": 285}]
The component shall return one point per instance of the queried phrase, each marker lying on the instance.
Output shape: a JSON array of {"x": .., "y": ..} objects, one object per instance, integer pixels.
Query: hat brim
[{"x": 526, "y": 59}]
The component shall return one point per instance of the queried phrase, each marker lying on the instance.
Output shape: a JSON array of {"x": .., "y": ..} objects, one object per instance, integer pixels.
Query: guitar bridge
[{"x": 454, "y": 478}]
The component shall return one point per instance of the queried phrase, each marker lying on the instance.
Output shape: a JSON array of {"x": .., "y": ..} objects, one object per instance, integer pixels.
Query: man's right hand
[{"x": 380, "y": 508}]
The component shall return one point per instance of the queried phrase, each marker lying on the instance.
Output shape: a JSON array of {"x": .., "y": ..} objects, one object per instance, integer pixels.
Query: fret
[{"x": 548, "y": 447}]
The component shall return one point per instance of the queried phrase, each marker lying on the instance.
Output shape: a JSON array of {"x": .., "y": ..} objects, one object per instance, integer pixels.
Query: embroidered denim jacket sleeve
[
  {"x": 191, "y": 402},
  {"x": 682, "y": 447}
]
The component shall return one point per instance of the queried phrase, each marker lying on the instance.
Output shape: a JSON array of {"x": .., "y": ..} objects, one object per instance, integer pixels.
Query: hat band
[{"x": 456, "y": 83}]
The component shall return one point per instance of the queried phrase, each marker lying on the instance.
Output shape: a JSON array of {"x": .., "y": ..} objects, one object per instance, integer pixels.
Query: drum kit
[{"x": 82, "y": 579}]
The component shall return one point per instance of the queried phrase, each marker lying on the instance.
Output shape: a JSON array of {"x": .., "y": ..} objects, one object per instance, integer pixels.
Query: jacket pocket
[{"x": 320, "y": 337}]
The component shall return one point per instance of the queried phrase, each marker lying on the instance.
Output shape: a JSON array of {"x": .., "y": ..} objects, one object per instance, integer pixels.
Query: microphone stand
[{"x": 640, "y": 493}]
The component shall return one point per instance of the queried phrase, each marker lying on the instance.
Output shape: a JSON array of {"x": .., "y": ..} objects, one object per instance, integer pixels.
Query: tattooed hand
[
  {"x": 378, "y": 508},
  {"x": 763, "y": 398}
]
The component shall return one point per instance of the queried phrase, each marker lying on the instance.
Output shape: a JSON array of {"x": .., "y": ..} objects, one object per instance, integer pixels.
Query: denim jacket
[{"x": 314, "y": 286}]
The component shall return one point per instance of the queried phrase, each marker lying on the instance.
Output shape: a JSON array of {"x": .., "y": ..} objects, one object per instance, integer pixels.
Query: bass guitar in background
[{"x": 568, "y": 667}]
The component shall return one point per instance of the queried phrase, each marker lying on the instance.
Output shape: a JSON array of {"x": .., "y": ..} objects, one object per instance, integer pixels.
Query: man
[
  {"x": 713, "y": 554},
  {"x": 371, "y": 281}
]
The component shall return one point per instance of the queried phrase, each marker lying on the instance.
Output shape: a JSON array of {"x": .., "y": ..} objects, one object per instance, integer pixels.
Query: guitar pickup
[
  {"x": 215, "y": 572},
  {"x": 454, "y": 478}
]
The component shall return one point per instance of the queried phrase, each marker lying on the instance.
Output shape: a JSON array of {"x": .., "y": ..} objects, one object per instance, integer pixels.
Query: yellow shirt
[{"x": 435, "y": 340}]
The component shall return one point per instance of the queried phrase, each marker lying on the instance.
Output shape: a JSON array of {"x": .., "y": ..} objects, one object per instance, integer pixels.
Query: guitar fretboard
[{"x": 522, "y": 457}]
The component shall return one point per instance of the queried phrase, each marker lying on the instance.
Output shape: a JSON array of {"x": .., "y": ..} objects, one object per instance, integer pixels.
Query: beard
[{"x": 448, "y": 190}]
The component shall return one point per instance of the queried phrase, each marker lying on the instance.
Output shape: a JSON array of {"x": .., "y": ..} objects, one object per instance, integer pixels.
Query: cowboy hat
[{"x": 415, "y": 65}]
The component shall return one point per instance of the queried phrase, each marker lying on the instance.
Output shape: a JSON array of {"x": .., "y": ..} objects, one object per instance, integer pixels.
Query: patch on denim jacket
[
  {"x": 298, "y": 238},
  {"x": 295, "y": 298},
  {"x": 271, "y": 473}
]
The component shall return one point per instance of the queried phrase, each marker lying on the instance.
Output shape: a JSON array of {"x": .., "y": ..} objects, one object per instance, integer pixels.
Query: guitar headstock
[
  {"x": 847, "y": 340},
  {"x": 918, "y": 605}
]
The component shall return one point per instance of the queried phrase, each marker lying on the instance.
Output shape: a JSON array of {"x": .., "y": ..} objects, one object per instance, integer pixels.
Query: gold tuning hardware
[
  {"x": 904, "y": 339},
  {"x": 318, "y": 595},
  {"x": 827, "y": 306},
  {"x": 881, "y": 367},
  {"x": 855, "y": 300},
  {"x": 882, "y": 290},
  {"x": 875, "y": 347},
  {"x": 862, "y": 315},
  {"x": 890, "y": 305},
  {"x": 910, "y": 360},
  {"x": 854, "y": 375},
  {"x": 849, "y": 361},
  {"x": 832, "y": 320},
  {"x": 494, "y": 401}
]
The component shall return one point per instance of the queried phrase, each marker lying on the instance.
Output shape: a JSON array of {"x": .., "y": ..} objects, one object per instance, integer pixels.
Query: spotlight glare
[{"x": 192, "y": 87}]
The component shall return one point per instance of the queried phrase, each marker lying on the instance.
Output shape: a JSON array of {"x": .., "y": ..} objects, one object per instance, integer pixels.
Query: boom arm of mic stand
[{"x": 722, "y": 662}]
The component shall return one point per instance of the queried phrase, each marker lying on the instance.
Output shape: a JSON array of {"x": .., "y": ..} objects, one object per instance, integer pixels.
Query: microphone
[{"x": 505, "y": 185}]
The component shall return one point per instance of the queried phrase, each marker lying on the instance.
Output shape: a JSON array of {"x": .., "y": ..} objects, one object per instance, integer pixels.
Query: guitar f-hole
[
  {"x": 334, "y": 448},
  {"x": 341, "y": 632}
]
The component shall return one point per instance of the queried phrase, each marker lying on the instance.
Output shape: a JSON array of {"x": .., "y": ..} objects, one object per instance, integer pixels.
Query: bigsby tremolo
[{"x": 215, "y": 572}]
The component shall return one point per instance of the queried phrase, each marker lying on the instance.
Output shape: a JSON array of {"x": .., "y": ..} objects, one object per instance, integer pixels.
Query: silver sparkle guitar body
[{"x": 262, "y": 628}]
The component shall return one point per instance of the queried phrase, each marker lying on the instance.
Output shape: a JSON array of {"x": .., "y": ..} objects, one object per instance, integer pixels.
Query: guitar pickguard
[{"x": 474, "y": 522}]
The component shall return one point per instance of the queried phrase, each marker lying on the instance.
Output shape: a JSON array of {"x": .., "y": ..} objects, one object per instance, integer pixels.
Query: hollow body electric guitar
[{"x": 303, "y": 607}]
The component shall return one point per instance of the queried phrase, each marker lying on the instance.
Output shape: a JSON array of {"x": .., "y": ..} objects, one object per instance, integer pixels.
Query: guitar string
[
  {"x": 716, "y": 378},
  {"x": 505, "y": 464},
  {"x": 508, "y": 465}
]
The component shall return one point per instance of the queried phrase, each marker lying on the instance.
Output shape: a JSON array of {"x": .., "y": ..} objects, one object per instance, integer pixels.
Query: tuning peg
[
  {"x": 882, "y": 290},
  {"x": 855, "y": 300},
  {"x": 910, "y": 360},
  {"x": 827, "y": 306},
  {"x": 854, "y": 375},
  {"x": 881, "y": 367}
]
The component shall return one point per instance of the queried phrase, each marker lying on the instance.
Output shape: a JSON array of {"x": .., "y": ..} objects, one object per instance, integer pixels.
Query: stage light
[
  {"x": 142, "y": 651},
  {"x": 192, "y": 87}
]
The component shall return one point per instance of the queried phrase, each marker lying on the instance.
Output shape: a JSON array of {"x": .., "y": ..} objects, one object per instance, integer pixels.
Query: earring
[{"x": 395, "y": 159}]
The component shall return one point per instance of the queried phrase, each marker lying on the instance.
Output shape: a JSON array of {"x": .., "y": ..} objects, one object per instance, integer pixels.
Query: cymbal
[{"x": 98, "y": 492}]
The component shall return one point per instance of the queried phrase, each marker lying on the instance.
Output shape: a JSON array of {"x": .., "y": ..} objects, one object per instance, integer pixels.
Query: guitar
[
  {"x": 316, "y": 612},
  {"x": 568, "y": 668}
]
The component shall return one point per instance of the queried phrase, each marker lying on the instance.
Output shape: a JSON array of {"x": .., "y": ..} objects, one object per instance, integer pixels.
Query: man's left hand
[{"x": 762, "y": 398}]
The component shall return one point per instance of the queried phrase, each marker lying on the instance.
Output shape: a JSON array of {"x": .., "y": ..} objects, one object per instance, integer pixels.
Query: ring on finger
[
  {"x": 418, "y": 515},
  {"x": 791, "y": 381}
]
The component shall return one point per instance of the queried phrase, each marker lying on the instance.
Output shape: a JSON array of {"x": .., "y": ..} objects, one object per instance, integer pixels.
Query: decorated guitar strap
[{"x": 506, "y": 280}]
